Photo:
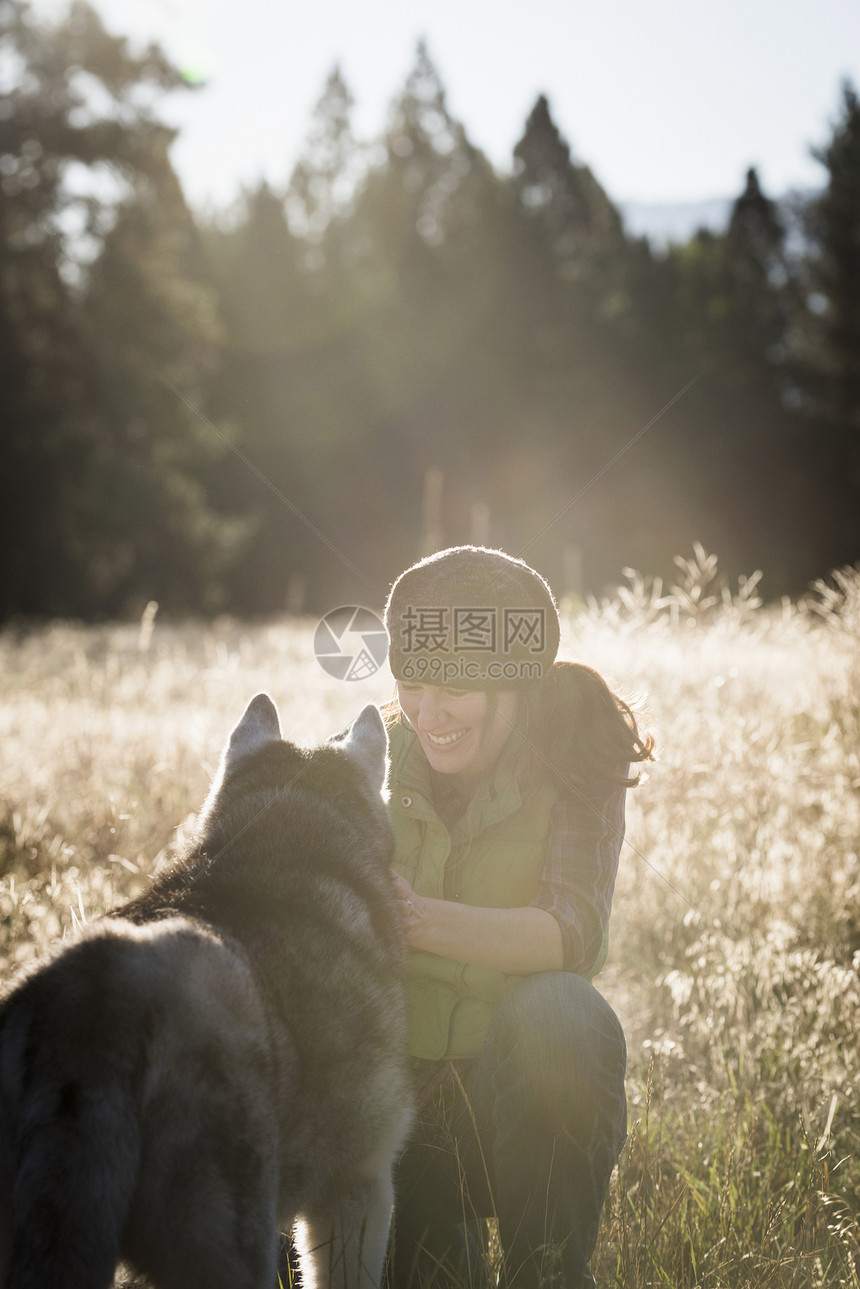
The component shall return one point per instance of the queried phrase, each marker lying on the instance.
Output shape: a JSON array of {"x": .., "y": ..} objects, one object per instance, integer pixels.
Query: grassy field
[{"x": 735, "y": 956}]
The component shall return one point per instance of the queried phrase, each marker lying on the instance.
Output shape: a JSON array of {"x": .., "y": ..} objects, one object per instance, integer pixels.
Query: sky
[{"x": 667, "y": 100}]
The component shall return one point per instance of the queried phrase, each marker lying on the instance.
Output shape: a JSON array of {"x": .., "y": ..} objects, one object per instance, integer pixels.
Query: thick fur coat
[{"x": 225, "y": 1055}]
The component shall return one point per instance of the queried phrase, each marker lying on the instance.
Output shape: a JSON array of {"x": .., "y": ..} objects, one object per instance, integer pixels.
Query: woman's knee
[
  {"x": 560, "y": 1010},
  {"x": 559, "y": 1040}
]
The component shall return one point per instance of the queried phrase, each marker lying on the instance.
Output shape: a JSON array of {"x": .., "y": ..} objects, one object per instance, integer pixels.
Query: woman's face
[{"x": 457, "y": 729}]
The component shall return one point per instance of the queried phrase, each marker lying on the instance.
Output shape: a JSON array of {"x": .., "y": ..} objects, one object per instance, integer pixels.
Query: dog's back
[{"x": 227, "y": 1052}]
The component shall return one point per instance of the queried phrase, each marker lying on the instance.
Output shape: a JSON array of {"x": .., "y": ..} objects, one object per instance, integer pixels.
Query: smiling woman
[
  {"x": 507, "y": 783},
  {"x": 460, "y": 730}
]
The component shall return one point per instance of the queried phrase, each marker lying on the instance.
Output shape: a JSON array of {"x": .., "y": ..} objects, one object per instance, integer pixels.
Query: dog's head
[{"x": 357, "y": 757}]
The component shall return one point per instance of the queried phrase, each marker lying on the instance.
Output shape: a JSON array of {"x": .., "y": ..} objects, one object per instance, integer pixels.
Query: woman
[{"x": 508, "y": 776}]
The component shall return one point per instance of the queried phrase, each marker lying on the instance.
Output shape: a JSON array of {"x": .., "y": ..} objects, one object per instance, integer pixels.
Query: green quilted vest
[{"x": 493, "y": 857}]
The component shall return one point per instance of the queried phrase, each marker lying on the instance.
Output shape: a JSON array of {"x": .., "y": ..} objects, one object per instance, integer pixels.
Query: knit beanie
[{"x": 471, "y": 618}]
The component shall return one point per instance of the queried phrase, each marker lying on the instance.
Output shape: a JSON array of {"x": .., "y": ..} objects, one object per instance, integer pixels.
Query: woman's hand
[
  {"x": 516, "y": 941},
  {"x": 408, "y": 904}
]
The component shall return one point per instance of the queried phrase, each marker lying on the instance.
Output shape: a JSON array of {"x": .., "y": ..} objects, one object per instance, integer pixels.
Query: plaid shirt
[{"x": 579, "y": 876}]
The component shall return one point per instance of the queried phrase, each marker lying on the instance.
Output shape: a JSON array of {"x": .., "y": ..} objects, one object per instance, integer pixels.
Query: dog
[{"x": 225, "y": 1055}]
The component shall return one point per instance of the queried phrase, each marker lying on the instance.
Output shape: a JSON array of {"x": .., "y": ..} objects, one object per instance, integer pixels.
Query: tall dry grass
[{"x": 735, "y": 958}]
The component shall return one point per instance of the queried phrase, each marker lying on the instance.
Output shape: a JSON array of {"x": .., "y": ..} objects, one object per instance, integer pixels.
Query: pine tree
[
  {"x": 833, "y": 319},
  {"x": 568, "y": 210},
  {"x": 320, "y": 200},
  {"x": 730, "y": 456},
  {"x": 330, "y": 167},
  {"x": 757, "y": 270},
  {"x": 761, "y": 477},
  {"x": 42, "y": 372},
  {"x": 54, "y": 526},
  {"x": 574, "y": 262},
  {"x": 151, "y": 323},
  {"x": 437, "y": 272},
  {"x": 401, "y": 220},
  {"x": 268, "y": 392},
  {"x": 257, "y": 265}
]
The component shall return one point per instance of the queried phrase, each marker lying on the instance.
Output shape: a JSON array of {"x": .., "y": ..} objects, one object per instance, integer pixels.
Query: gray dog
[{"x": 224, "y": 1055}]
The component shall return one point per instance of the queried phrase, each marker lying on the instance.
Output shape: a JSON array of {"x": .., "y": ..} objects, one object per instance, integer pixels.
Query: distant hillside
[
  {"x": 674, "y": 221},
  {"x": 664, "y": 222}
]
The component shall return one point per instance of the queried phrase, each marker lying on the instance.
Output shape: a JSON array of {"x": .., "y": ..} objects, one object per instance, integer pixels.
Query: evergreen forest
[{"x": 280, "y": 407}]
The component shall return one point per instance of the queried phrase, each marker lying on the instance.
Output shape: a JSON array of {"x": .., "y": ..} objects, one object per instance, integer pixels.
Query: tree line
[{"x": 398, "y": 348}]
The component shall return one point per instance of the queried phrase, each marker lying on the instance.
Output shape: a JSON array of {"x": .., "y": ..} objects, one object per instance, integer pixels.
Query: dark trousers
[{"x": 528, "y": 1133}]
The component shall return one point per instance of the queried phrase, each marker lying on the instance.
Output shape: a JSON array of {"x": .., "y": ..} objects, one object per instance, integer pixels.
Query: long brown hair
[
  {"x": 577, "y": 731},
  {"x": 574, "y": 730}
]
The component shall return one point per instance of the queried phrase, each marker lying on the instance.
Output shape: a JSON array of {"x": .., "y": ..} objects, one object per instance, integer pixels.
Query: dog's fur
[{"x": 226, "y": 1053}]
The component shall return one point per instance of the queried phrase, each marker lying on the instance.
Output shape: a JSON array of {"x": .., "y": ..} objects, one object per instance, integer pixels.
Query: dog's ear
[
  {"x": 366, "y": 745},
  {"x": 258, "y": 726}
]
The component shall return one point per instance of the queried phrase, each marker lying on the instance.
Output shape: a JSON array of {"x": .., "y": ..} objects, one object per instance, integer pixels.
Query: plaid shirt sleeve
[{"x": 579, "y": 875}]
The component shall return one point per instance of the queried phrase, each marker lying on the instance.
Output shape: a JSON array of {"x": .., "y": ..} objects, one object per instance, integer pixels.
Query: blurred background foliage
[{"x": 409, "y": 348}]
